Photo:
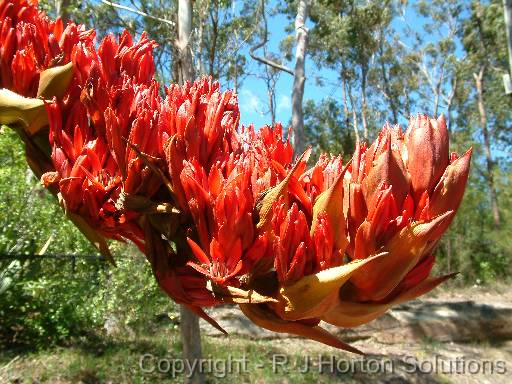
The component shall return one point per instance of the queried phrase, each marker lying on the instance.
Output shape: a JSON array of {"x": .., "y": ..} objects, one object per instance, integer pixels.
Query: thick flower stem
[
  {"x": 191, "y": 342},
  {"x": 189, "y": 322}
]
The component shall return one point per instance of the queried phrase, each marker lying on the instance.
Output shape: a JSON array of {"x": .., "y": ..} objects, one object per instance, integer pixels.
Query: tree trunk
[
  {"x": 507, "y": 10},
  {"x": 449, "y": 103},
  {"x": 203, "y": 15},
  {"x": 356, "y": 130},
  {"x": 385, "y": 80},
  {"x": 354, "y": 114},
  {"x": 189, "y": 322},
  {"x": 271, "y": 101},
  {"x": 270, "y": 82},
  {"x": 61, "y": 10},
  {"x": 345, "y": 101},
  {"x": 235, "y": 80},
  {"x": 479, "y": 78},
  {"x": 436, "y": 100},
  {"x": 191, "y": 342},
  {"x": 186, "y": 67},
  {"x": 363, "y": 101},
  {"x": 299, "y": 77}
]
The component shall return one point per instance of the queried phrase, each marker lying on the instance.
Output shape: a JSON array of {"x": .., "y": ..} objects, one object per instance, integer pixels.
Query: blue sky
[{"x": 252, "y": 93}]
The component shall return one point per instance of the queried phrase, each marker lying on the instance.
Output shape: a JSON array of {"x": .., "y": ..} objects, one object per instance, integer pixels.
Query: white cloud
[
  {"x": 249, "y": 102},
  {"x": 283, "y": 104}
]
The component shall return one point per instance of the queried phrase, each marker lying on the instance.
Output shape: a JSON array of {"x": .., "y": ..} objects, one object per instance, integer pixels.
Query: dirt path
[{"x": 458, "y": 336}]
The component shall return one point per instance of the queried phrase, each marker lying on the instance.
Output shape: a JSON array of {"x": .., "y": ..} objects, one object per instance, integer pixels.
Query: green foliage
[
  {"x": 39, "y": 302},
  {"x": 325, "y": 129},
  {"x": 469, "y": 246},
  {"x": 221, "y": 30},
  {"x": 473, "y": 246},
  {"x": 215, "y": 43},
  {"x": 129, "y": 294},
  {"x": 30, "y": 214},
  {"x": 47, "y": 299},
  {"x": 50, "y": 300},
  {"x": 47, "y": 302}
]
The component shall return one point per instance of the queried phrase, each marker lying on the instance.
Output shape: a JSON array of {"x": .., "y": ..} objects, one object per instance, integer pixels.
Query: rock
[
  {"x": 464, "y": 321},
  {"x": 443, "y": 321}
]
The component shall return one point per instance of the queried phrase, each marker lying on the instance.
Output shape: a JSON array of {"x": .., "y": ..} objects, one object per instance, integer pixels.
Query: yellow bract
[
  {"x": 54, "y": 81},
  {"x": 313, "y": 295},
  {"x": 268, "y": 320},
  {"x": 274, "y": 193},
  {"x": 353, "y": 314},
  {"x": 16, "y": 109},
  {"x": 331, "y": 202}
]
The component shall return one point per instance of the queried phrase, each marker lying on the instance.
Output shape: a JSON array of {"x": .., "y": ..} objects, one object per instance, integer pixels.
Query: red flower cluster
[
  {"x": 30, "y": 43},
  {"x": 224, "y": 214},
  {"x": 404, "y": 191},
  {"x": 96, "y": 136}
]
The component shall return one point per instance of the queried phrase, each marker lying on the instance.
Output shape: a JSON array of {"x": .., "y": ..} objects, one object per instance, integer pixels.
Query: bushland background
[{"x": 68, "y": 316}]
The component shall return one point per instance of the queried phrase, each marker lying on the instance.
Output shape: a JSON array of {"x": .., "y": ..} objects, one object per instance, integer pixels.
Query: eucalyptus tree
[
  {"x": 345, "y": 38},
  {"x": 299, "y": 10},
  {"x": 394, "y": 75},
  {"x": 433, "y": 51},
  {"x": 484, "y": 42},
  {"x": 322, "y": 122},
  {"x": 223, "y": 31}
]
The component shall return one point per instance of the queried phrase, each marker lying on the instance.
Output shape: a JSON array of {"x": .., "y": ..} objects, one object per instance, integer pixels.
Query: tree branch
[
  {"x": 270, "y": 63},
  {"x": 264, "y": 60},
  {"x": 133, "y": 10}
]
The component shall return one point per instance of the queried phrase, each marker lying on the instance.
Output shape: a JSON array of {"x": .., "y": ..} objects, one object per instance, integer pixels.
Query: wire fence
[
  {"x": 65, "y": 256},
  {"x": 28, "y": 256},
  {"x": 30, "y": 266}
]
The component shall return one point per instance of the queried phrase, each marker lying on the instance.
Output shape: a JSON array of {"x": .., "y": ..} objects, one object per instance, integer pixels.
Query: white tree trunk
[
  {"x": 189, "y": 322},
  {"x": 479, "y": 80},
  {"x": 507, "y": 7},
  {"x": 354, "y": 114},
  {"x": 186, "y": 67},
  {"x": 299, "y": 77},
  {"x": 363, "y": 102}
]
